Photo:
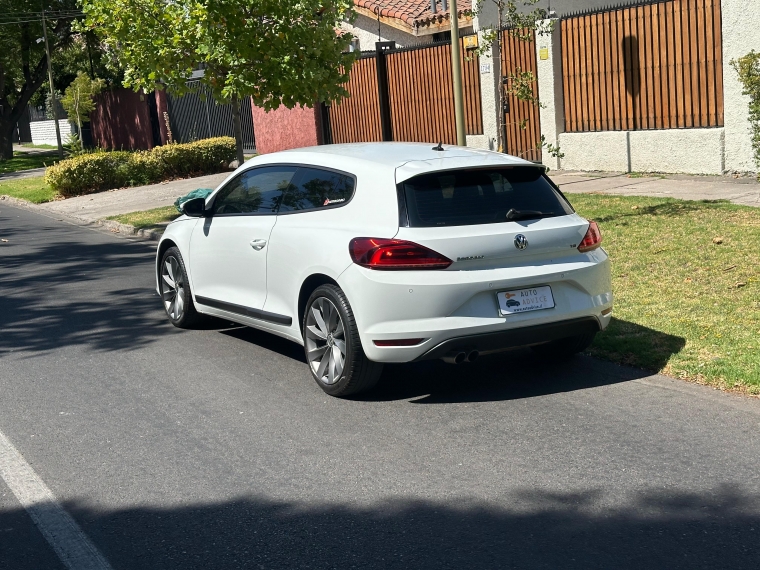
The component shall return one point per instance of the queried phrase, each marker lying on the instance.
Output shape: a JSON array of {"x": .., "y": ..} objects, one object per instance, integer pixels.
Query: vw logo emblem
[{"x": 521, "y": 242}]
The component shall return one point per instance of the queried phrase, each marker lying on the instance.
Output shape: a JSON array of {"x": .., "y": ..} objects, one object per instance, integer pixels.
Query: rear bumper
[{"x": 513, "y": 338}]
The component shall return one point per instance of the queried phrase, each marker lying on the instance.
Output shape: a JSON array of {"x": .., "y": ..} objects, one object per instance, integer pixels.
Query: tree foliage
[
  {"x": 78, "y": 100},
  {"x": 23, "y": 66},
  {"x": 279, "y": 52}
]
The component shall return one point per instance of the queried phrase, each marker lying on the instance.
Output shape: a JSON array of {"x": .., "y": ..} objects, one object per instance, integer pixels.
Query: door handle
[{"x": 258, "y": 244}]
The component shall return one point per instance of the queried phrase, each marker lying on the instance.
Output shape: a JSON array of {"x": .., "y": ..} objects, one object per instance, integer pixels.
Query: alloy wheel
[
  {"x": 325, "y": 341},
  {"x": 173, "y": 288}
]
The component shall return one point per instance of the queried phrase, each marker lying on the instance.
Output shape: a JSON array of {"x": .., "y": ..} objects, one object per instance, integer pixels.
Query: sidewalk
[
  {"x": 92, "y": 207},
  {"x": 745, "y": 191}
]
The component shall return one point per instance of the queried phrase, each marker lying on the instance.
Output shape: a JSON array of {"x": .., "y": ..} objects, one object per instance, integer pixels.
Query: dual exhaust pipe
[{"x": 460, "y": 356}]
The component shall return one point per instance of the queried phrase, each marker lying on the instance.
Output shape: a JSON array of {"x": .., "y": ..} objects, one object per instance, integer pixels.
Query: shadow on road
[{"x": 656, "y": 529}]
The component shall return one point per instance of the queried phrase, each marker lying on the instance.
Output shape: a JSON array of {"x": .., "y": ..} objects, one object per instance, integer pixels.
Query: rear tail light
[
  {"x": 592, "y": 239},
  {"x": 394, "y": 254}
]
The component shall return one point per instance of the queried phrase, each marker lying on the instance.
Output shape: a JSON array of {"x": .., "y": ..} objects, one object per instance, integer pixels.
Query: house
[
  {"x": 415, "y": 22},
  {"x": 406, "y": 22}
]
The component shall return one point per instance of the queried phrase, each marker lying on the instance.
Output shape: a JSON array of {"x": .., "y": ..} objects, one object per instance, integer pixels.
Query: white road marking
[{"x": 71, "y": 545}]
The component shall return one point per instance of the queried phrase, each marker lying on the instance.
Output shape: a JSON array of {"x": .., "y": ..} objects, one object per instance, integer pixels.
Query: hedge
[{"x": 98, "y": 171}]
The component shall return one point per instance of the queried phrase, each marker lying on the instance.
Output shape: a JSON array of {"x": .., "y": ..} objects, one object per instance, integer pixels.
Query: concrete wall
[
  {"x": 486, "y": 17},
  {"x": 741, "y": 22},
  {"x": 690, "y": 151},
  {"x": 285, "y": 128},
  {"x": 43, "y": 132}
]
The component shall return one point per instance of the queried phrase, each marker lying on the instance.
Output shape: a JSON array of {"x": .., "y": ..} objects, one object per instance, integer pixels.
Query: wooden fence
[
  {"x": 420, "y": 96},
  {"x": 657, "y": 66},
  {"x": 357, "y": 118},
  {"x": 523, "y": 125}
]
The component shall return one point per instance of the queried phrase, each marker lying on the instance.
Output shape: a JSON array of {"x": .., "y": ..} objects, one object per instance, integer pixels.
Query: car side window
[
  {"x": 255, "y": 191},
  {"x": 315, "y": 188}
]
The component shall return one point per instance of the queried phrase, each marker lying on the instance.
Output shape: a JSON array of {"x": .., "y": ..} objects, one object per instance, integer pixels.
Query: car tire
[
  {"x": 332, "y": 346},
  {"x": 565, "y": 347},
  {"x": 174, "y": 287}
]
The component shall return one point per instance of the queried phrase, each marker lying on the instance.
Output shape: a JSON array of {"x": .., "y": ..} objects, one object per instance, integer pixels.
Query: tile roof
[{"x": 413, "y": 12}]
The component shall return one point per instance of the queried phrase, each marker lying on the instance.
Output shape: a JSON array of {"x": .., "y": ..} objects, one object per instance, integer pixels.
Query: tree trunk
[
  {"x": 237, "y": 127},
  {"x": 6, "y": 140}
]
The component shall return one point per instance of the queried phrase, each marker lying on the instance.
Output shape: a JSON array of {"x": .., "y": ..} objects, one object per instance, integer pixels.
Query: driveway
[{"x": 215, "y": 449}]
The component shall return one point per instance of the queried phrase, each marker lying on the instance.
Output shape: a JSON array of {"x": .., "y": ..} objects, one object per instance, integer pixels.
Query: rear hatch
[{"x": 496, "y": 216}]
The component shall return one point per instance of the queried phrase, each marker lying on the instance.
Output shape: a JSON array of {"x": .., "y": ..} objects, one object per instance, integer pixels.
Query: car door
[{"x": 228, "y": 250}]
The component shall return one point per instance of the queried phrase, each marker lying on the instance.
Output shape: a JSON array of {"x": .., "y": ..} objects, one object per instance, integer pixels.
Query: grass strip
[
  {"x": 148, "y": 219},
  {"x": 27, "y": 161},
  {"x": 30, "y": 189},
  {"x": 686, "y": 279}
]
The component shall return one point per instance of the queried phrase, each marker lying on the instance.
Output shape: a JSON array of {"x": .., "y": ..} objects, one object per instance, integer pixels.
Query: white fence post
[
  {"x": 741, "y": 22},
  {"x": 550, "y": 92}
]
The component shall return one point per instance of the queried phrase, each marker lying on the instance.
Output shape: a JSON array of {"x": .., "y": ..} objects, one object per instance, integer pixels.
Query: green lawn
[
  {"x": 31, "y": 189},
  {"x": 27, "y": 161},
  {"x": 686, "y": 279},
  {"x": 148, "y": 219}
]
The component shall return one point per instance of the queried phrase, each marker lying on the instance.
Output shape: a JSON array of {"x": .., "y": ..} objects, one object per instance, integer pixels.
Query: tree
[
  {"x": 521, "y": 21},
  {"x": 278, "y": 52},
  {"x": 78, "y": 99},
  {"x": 23, "y": 65}
]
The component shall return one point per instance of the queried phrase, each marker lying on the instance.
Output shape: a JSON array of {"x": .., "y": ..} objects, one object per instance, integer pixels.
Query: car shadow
[{"x": 508, "y": 375}]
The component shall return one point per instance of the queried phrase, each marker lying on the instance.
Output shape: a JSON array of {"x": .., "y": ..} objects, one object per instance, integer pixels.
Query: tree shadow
[
  {"x": 59, "y": 291},
  {"x": 530, "y": 528},
  {"x": 672, "y": 208}
]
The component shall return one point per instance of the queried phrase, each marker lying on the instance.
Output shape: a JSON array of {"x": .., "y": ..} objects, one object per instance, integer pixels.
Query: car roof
[{"x": 406, "y": 159}]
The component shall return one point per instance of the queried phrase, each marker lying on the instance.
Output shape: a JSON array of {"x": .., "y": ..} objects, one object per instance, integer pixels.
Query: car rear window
[{"x": 479, "y": 196}]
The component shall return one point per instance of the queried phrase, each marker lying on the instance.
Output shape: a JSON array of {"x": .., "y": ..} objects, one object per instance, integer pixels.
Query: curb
[
  {"x": 113, "y": 226},
  {"x": 126, "y": 229}
]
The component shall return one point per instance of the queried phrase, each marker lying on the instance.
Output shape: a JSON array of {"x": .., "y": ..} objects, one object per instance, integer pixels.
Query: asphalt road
[{"x": 215, "y": 449}]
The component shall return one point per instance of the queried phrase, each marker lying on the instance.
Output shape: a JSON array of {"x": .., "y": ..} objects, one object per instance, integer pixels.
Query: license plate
[{"x": 524, "y": 300}]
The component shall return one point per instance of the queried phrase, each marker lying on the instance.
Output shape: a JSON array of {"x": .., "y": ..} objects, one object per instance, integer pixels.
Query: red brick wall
[
  {"x": 121, "y": 120},
  {"x": 285, "y": 128}
]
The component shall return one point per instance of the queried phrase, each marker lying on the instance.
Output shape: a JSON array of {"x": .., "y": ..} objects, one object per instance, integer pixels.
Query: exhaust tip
[
  {"x": 455, "y": 357},
  {"x": 473, "y": 356}
]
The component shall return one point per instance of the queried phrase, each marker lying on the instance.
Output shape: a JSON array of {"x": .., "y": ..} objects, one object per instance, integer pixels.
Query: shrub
[
  {"x": 748, "y": 68},
  {"x": 98, "y": 171}
]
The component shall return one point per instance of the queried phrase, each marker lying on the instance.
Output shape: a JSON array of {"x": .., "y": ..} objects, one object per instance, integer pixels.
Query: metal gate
[{"x": 197, "y": 115}]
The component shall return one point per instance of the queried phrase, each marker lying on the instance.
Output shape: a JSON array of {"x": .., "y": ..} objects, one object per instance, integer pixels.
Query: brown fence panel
[
  {"x": 656, "y": 66},
  {"x": 356, "y": 118},
  {"x": 422, "y": 98},
  {"x": 523, "y": 126}
]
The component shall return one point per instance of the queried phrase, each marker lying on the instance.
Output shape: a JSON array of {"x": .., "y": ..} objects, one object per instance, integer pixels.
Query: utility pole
[
  {"x": 52, "y": 87},
  {"x": 456, "y": 74}
]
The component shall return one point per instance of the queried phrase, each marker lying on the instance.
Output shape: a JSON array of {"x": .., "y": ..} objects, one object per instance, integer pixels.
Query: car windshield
[{"x": 481, "y": 196}]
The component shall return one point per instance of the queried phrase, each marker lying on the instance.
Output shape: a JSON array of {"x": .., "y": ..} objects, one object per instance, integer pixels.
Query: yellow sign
[
  {"x": 543, "y": 52},
  {"x": 470, "y": 42}
]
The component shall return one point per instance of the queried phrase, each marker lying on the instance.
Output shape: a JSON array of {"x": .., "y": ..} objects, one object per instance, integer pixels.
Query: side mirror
[{"x": 194, "y": 208}]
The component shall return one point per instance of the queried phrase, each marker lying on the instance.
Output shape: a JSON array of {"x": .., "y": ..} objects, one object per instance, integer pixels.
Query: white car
[{"x": 389, "y": 252}]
